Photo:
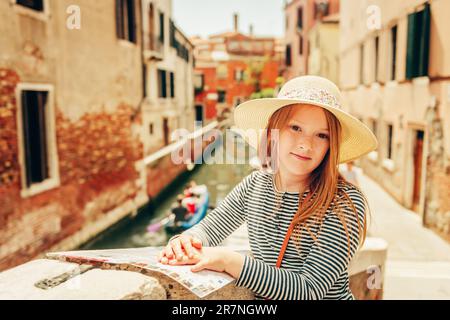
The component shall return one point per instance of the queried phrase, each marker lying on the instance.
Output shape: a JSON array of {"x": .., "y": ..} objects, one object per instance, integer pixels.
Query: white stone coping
[
  {"x": 372, "y": 254},
  {"x": 19, "y": 282},
  {"x": 174, "y": 146},
  {"x": 388, "y": 164}
]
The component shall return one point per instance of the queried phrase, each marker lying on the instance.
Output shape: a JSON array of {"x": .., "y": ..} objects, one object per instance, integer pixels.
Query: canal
[{"x": 132, "y": 232}]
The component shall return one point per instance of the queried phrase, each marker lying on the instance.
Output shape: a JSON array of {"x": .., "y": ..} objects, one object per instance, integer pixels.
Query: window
[
  {"x": 373, "y": 126},
  {"x": 418, "y": 47},
  {"x": 246, "y": 45},
  {"x": 126, "y": 20},
  {"x": 393, "y": 52},
  {"x": 161, "y": 26},
  {"x": 377, "y": 49},
  {"x": 300, "y": 45},
  {"x": 300, "y": 18},
  {"x": 221, "y": 96},
  {"x": 35, "y": 136},
  {"x": 222, "y": 71},
  {"x": 173, "y": 42},
  {"x": 150, "y": 128},
  {"x": 144, "y": 80},
  {"x": 36, "y": 130},
  {"x": 389, "y": 145},
  {"x": 37, "y": 5},
  {"x": 182, "y": 51},
  {"x": 288, "y": 55},
  {"x": 233, "y": 45},
  {"x": 172, "y": 85},
  {"x": 162, "y": 84},
  {"x": 199, "y": 83},
  {"x": 238, "y": 75}
]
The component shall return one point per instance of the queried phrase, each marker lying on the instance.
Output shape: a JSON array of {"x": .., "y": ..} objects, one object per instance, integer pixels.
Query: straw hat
[{"x": 357, "y": 138}]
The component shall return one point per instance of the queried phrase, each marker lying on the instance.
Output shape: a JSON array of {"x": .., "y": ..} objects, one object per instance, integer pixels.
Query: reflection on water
[{"x": 132, "y": 232}]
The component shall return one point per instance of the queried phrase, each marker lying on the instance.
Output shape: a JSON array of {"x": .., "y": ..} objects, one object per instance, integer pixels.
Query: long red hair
[{"x": 323, "y": 181}]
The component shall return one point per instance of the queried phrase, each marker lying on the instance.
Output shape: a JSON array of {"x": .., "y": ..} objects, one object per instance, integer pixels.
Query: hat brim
[{"x": 357, "y": 138}]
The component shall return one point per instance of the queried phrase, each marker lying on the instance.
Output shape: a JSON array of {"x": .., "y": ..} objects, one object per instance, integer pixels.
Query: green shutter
[
  {"x": 410, "y": 46},
  {"x": 424, "y": 50}
]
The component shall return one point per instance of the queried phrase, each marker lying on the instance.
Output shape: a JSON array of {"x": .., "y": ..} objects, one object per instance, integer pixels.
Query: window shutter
[
  {"x": 132, "y": 20},
  {"x": 410, "y": 46},
  {"x": 119, "y": 20},
  {"x": 424, "y": 51}
]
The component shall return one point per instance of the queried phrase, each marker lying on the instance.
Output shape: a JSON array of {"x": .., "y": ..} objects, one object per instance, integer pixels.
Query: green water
[{"x": 132, "y": 232}]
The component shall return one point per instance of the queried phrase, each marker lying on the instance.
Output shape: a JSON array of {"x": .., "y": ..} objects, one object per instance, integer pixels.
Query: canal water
[{"x": 132, "y": 232}]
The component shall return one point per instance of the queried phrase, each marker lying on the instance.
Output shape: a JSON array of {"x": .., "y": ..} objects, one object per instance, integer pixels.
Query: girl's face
[{"x": 304, "y": 141}]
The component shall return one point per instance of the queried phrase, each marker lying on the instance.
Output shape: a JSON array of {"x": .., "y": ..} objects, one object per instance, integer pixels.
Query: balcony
[{"x": 153, "y": 47}]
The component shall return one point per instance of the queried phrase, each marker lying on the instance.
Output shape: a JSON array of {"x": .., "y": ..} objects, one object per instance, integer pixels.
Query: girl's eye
[
  {"x": 295, "y": 128},
  {"x": 323, "y": 136}
]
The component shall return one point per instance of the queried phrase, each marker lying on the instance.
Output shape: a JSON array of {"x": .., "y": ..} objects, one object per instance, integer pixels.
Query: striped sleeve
[
  {"x": 325, "y": 263},
  {"x": 225, "y": 218}
]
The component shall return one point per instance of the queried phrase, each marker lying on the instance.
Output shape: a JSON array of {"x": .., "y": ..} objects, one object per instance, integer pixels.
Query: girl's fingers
[
  {"x": 188, "y": 247},
  {"x": 169, "y": 252},
  {"x": 197, "y": 243},
  {"x": 202, "y": 264},
  {"x": 176, "y": 247}
]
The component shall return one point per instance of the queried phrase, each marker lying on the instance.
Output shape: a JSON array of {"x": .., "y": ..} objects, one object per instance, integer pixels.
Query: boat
[{"x": 199, "y": 214}]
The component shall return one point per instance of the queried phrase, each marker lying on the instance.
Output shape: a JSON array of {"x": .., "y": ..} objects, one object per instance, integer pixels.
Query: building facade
[
  {"x": 79, "y": 111},
  {"x": 230, "y": 67},
  {"x": 395, "y": 76},
  {"x": 300, "y": 17},
  {"x": 324, "y": 48}
]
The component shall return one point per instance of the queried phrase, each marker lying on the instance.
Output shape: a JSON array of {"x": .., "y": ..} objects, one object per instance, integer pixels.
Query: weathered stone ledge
[{"x": 366, "y": 280}]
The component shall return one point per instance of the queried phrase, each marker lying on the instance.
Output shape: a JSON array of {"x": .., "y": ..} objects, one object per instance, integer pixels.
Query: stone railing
[{"x": 52, "y": 279}]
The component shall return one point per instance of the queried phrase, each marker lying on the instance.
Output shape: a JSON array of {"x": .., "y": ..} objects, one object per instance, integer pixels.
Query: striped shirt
[{"x": 318, "y": 270}]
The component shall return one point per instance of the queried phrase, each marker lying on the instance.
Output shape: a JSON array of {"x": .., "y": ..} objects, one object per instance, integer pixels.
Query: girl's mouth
[{"x": 300, "y": 157}]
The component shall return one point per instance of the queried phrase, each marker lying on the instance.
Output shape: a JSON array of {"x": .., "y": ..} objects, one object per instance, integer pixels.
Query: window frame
[
  {"x": 53, "y": 180},
  {"x": 393, "y": 52},
  {"x": 172, "y": 84},
  {"x": 288, "y": 55},
  {"x": 40, "y": 15},
  {"x": 417, "y": 50},
  {"x": 122, "y": 26},
  {"x": 389, "y": 141},
  {"x": 162, "y": 83},
  {"x": 377, "y": 57},
  {"x": 300, "y": 14}
]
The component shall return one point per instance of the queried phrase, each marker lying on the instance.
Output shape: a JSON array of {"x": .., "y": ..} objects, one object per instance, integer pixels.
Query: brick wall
[{"x": 97, "y": 155}]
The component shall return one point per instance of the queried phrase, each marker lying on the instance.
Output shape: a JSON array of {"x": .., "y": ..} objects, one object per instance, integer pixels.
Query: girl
[{"x": 305, "y": 222}]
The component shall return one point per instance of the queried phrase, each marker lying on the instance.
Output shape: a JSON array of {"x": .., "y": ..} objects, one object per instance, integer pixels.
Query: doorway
[
  {"x": 166, "y": 131},
  {"x": 418, "y": 161},
  {"x": 199, "y": 114}
]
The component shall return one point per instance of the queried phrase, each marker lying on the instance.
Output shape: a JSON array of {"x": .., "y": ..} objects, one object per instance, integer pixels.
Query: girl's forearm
[{"x": 234, "y": 263}]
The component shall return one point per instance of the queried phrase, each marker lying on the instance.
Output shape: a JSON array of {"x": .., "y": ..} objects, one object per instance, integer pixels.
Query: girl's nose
[{"x": 305, "y": 143}]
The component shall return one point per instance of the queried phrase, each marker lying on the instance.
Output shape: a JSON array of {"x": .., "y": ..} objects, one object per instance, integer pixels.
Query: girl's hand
[
  {"x": 215, "y": 259},
  {"x": 182, "y": 248}
]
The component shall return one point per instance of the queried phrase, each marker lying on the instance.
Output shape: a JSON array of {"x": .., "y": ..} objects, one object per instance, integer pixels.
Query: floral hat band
[{"x": 315, "y": 94}]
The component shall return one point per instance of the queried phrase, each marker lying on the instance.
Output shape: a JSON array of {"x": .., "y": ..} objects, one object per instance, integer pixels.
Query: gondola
[{"x": 199, "y": 214}]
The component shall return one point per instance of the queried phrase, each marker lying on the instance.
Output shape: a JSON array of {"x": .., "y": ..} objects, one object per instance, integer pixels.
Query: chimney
[
  {"x": 236, "y": 21},
  {"x": 250, "y": 31}
]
